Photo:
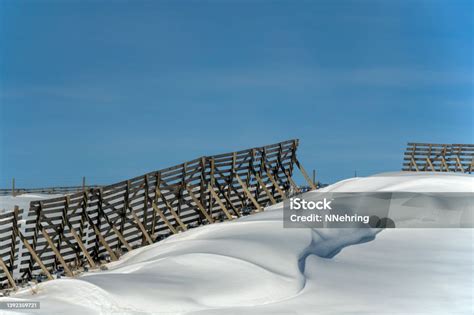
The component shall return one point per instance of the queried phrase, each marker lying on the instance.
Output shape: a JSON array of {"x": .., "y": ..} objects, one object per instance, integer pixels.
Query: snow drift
[{"x": 253, "y": 265}]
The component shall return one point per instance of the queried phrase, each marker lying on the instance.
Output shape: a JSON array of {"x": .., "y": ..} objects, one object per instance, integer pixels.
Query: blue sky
[{"x": 111, "y": 90}]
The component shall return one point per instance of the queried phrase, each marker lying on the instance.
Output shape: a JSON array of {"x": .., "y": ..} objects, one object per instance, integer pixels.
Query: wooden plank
[
  {"x": 15, "y": 231},
  {"x": 443, "y": 161},
  {"x": 81, "y": 245},
  {"x": 163, "y": 217},
  {"x": 173, "y": 213},
  {"x": 288, "y": 176},
  {"x": 303, "y": 171},
  {"x": 122, "y": 215},
  {"x": 145, "y": 201},
  {"x": 231, "y": 179},
  {"x": 151, "y": 201},
  {"x": 227, "y": 196},
  {"x": 175, "y": 216},
  {"x": 142, "y": 228},
  {"x": 57, "y": 253},
  {"x": 414, "y": 164},
  {"x": 249, "y": 195},
  {"x": 35, "y": 257},
  {"x": 458, "y": 162},
  {"x": 428, "y": 161},
  {"x": 199, "y": 205},
  {"x": 121, "y": 238},
  {"x": 104, "y": 242},
  {"x": 262, "y": 184},
  {"x": 8, "y": 274},
  {"x": 277, "y": 187},
  {"x": 212, "y": 183},
  {"x": 219, "y": 202}
]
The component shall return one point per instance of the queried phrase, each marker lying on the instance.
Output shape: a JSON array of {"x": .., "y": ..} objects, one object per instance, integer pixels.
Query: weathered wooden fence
[
  {"x": 96, "y": 225},
  {"x": 430, "y": 157}
]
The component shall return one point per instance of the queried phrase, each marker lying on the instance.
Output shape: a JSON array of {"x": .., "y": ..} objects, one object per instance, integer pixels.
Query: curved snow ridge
[
  {"x": 243, "y": 263},
  {"x": 252, "y": 263},
  {"x": 407, "y": 182}
]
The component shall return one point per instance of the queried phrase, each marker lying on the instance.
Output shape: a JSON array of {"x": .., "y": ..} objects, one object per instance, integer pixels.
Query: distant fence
[
  {"x": 45, "y": 190},
  {"x": 429, "y": 157},
  {"x": 98, "y": 224}
]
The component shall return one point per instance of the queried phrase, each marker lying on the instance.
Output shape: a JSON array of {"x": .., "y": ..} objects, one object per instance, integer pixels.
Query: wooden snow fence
[
  {"x": 430, "y": 157},
  {"x": 89, "y": 228}
]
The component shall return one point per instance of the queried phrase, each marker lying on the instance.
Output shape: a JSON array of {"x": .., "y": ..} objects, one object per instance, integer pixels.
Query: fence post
[
  {"x": 231, "y": 179},
  {"x": 9, "y": 271},
  {"x": 211, "y": 183},
  {"x": 145, "y": 203},
  {"x": 13, "y": 187},
  {"x": 15, "y": 233},
  {"x": 123, "y": 213},
  {"x": 249, "y": 175},
  {"x": 155, "y": 200},
  {"x": 204, "y": 183}
]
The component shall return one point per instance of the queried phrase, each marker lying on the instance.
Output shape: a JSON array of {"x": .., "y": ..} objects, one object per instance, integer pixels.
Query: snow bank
[
  {"x": 253, "y": 265},
  {"x": 407, "y": 181}
]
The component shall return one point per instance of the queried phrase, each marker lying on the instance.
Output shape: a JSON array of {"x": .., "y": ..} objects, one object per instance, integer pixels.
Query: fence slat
[
  {"x": 163, "y": 217},
  {"x": 248, "y": 193},
  {"x": 219, "y": 202}
]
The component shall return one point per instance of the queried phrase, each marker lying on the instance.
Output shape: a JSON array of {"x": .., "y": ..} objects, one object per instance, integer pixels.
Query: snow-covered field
[
  {"x": 7, "y": 203},
  {"x": 255, "y": 266}
]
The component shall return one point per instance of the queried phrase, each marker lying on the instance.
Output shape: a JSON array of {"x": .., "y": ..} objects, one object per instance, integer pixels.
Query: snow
[
  {"x": 7, "y": 203},
  {"x": 408, "y": 182},
  {"x": 255, "y": 266}
]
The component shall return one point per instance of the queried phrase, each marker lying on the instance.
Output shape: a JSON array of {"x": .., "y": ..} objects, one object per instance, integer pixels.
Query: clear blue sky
[{"x": 111, "y": 90}]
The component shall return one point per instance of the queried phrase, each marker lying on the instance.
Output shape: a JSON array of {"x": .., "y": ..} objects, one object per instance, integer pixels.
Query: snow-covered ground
[
  {"x": 7, "y": 203},
  {"x": 255, "y": 266}
]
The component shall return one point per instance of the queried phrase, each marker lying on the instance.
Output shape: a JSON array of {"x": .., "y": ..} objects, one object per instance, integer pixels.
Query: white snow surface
[
  {"x": 7, "y": 203},
  {"x": 255, "y": 266}
]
